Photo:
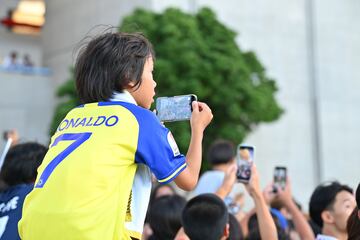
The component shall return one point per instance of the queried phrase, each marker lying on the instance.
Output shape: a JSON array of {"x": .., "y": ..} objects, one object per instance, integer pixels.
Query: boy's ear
[
  {"x": 227, "y": 230},
  {"x": 130, "y": 87},
  {"x": 327, "y": 217},
  {"x": 359, "y": 214}
]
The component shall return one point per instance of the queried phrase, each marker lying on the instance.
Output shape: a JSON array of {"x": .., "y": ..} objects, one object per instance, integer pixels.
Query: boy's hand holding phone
[{"x": 201, "y": 116}]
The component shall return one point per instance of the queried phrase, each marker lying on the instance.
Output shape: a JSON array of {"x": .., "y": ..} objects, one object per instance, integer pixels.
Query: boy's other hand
[{"x": 201, "y": 116}]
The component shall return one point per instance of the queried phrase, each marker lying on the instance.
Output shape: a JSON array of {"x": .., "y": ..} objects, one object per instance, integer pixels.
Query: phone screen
[
  {"x": 245, "y": 158},
  {"x": 280, "y": 177},
  {"x": 177, "y": 108}
]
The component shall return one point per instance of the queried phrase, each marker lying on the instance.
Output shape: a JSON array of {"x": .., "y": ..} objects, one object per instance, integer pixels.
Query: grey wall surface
[
  {"x": 68, "y": 22},
  {"x": 338, "y": 60},
  {"x": 26, "y": 105}
]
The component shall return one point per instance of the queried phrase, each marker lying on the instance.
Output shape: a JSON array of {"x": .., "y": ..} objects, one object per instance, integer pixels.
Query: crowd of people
[
  {"x": 96, "y": 179},
  {"x": 12, "y": 61}
]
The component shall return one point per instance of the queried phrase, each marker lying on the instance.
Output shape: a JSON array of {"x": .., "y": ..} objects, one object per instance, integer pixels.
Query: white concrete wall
[
  {"x": 68, "y": 22},
  {"x": 338, "y": 61},
  {"x": 27, "y": 104}
]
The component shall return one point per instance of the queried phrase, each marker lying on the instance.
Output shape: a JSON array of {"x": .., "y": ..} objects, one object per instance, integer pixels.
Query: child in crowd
[{"x": 95, "y": 180}]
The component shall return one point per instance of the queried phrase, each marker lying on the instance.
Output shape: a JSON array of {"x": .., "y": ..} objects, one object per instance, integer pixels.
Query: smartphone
[
  {"x": 245, "y": 156},
  {"x": 280, "y": 175},
  {"x": 176, "y": 108}
]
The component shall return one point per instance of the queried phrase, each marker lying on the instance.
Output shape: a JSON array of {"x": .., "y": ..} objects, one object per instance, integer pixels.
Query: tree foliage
[{"x": 198, "y": 54}]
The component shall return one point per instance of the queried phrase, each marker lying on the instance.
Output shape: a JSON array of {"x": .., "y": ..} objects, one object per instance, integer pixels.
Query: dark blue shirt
[{"x": 11, "y": 203}]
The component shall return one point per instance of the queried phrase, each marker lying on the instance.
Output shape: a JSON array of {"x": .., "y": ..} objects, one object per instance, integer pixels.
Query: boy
[
  {"x": 18, "y": 174},
  {"x": 95, "y": 180},
  {"x": 330, "y": 207},
  {"x": 206, "y": 217}
]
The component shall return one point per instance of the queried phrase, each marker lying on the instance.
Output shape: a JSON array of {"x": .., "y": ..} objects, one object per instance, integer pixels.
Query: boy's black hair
[
  {"x": 323, "y": 199},
  {"x": 205, "y": 217},
  {"x": 108, "y": 63},
  {"x": 220, "y": 152},
  {"x": 165, "y": 216},
  {"x": 21, "y": 163}
]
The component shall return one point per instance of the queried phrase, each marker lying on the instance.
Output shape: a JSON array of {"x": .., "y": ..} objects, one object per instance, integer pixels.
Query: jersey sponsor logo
[
  {"x": 9, "y": 205},
  {"x": 88, "y": 122},
  {"x": 173, "y": 144}
]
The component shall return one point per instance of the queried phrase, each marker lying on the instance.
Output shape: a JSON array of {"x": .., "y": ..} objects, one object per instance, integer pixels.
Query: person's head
[
  {"x": 165, "y": 216},
  {"x": 281, "y": 227},
  {"x": 13, "y": 55},
  {"x": 206, "y": 217},
  {"x": 21, "y": 163},
  {"x": 235, "y": 231},
  {"x": 113, "y": 62},
  {"x": 353, "y": 225},
  {"x": 331, "y": 205},
  {"x": 221, "y": 152},
  {"x": 161, "y": 190}
]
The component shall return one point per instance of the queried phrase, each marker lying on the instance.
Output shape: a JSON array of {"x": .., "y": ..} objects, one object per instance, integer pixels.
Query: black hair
[
  {"x": 353, "y": 225},
  {"x": 165, "y": 216},
  {"x": 358, "y": 196},
  {"x": 205, "y": 217},
  {"x": 323, "y": 199},
  {"x": 155, "y": 190},
  {"x": 278, "y": 205},
  {"x": 21, "y": 163},
  {"x": 108, "y": 63},
  {"x": 235, "y": 231},
  {"x": 254, "y": 230},
  {"x": 220, "y": 152},
  {"x": 314, "y": 227}
]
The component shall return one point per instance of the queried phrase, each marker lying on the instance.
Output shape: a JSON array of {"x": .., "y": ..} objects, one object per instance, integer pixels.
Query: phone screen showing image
[
  {"x": 177, "y": 108},
  {"x": 280, "y": 177},
  {"x": 245, "y": 158}
]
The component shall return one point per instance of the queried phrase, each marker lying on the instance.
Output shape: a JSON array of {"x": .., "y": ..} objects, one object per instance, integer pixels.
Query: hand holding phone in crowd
[
  {"x": 280, "y": 178},
  {"x": 245, "y": 158}
]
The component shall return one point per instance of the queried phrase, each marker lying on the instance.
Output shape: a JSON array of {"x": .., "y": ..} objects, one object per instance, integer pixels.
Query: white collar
[
  {"x": 124, "y": 96},
  {"x": 324, "y": 237}
]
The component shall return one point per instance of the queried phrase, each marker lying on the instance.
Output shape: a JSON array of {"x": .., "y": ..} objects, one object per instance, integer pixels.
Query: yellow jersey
[{"x": 85, "y": 188}]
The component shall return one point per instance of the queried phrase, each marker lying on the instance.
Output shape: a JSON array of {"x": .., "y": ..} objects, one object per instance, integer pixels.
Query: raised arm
[
  {"x": 300, "y": 222},
  {"x": 200, "y": 119},
  {"x": 266, "y": 223}
]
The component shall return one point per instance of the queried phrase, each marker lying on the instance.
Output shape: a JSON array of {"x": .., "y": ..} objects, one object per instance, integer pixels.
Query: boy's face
[
  {"x": 342, "y": 208},
  {"x": 144, "y": 95}
]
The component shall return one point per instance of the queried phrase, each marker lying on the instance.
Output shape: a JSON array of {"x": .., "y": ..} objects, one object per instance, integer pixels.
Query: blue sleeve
[{"x": 157, "y": 148}]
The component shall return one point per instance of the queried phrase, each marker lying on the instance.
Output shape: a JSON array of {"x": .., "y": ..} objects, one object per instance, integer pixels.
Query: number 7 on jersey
[{"x": 78, "y": 138}]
